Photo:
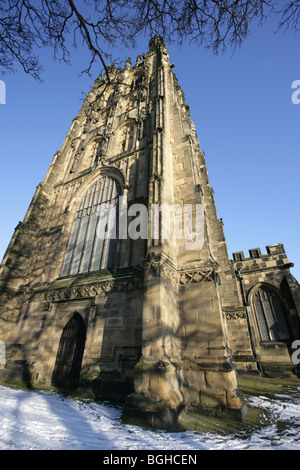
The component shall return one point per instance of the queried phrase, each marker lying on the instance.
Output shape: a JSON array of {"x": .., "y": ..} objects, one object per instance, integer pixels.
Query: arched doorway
[
  {"x": 270, "y": 314},
  {"x": 67, "y": 367}
]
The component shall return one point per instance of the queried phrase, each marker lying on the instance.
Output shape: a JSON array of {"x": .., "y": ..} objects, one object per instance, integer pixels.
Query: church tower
[{"x": 118, "y": 277}]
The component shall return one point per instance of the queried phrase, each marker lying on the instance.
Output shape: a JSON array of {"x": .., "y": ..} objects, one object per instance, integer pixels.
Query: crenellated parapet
[{"x": 274, "y": 258}]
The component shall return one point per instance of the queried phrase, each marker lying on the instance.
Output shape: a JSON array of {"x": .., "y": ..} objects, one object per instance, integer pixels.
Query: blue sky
[{"x": 244, "y": 116}]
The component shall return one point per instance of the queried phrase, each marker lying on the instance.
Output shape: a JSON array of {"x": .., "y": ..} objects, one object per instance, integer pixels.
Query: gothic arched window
[
  {"x": 93, "y": 237},
  {"x": 270, "y": 315}
]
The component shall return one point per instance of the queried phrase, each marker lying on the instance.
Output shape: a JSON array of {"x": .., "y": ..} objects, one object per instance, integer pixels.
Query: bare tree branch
[
  {"x": 290, "y": 16},
  {"x": 101, "y": 25}
]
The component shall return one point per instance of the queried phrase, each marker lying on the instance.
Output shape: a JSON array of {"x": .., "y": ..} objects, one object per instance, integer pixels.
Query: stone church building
[{"x": 92, "y": 297}]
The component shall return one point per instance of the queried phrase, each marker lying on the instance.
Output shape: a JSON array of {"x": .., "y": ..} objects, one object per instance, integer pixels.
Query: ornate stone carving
[
  {"x": 75, "y": 162},
  {"x": 160, "y": 267},
  {"x": 156, "y": 266},
  {"x": 152, "y": 265},
  {"x": 90, "y": 291},
  {"x": 196, "y": 277},
  {"x": 235, "y": 315}
]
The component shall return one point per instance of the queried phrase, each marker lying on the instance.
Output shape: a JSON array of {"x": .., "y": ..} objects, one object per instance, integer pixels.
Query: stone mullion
[
  {"x": 87, "y": 232},
  {"x": 98, "y": 246},
  {"x": 79, "y": 216},
  {"x": 97, "y": 204},
  {"x": 107, "y": 241}
]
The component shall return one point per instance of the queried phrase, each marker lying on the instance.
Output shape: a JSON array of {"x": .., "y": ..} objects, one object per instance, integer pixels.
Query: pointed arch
[
  {"x": 270, "y": 314},
  {"x": 94, "y": 231},
  {"x": 67, "y": 367}
]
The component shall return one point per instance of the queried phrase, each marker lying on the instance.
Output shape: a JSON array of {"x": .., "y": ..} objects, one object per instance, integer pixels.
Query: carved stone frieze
[
  {"x": 196, "y": 277},
  {"x": 157, "y": 267},
  {"x": 235, "y": 315},
  {"x": 89, "y": 291}
]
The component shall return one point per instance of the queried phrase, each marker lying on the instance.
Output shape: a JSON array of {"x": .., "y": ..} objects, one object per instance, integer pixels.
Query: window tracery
[{"x": 94, "y": 231}]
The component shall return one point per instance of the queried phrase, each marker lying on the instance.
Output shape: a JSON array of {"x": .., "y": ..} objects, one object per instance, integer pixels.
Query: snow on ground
[{"x": 40, "y": 420}]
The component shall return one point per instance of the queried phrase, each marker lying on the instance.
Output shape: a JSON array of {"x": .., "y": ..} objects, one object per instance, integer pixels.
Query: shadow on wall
[{"x": 17, "y": 373}]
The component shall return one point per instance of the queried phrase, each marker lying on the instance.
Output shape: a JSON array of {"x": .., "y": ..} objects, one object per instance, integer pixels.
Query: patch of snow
[{"x": 40, "y": 420}]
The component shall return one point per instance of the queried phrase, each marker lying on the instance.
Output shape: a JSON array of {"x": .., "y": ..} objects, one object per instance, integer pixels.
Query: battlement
[
  {"x": 255, "y": 253},
  {"x": 270, "y": 267},
  {"x": 274, "y": 258}
]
